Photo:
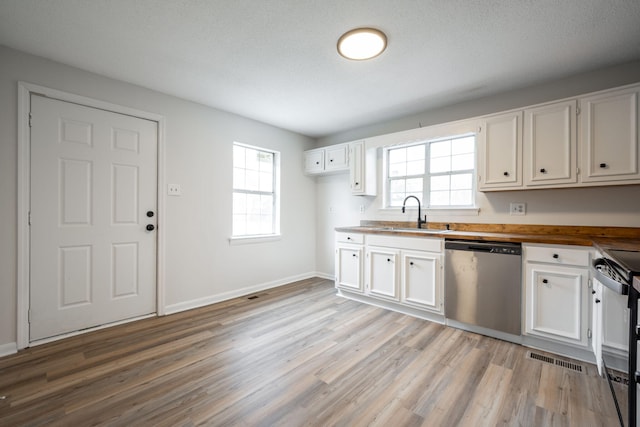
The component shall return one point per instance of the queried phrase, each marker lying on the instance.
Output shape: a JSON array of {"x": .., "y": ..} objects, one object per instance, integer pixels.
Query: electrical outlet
[
  {"x": 174, "y": 190},
  {"x": 331, "y": 209},
  {"x": 517, "y": 208},
  {"x": 361, "y": 209}
]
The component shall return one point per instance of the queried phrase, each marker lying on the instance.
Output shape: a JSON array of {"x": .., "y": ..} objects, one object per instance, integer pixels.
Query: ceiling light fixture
[{"x": 362, "y": 43}]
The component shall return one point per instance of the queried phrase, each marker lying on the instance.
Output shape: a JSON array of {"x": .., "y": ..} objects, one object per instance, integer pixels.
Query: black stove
[{"x": 616, "y": 270}]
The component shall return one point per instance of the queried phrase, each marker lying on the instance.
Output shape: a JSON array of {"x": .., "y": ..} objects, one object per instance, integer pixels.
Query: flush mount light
[{"x": 362, "y": 43}]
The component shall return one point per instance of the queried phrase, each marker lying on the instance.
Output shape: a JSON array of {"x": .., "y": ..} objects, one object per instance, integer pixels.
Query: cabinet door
[
  {"x": 337, "y": 157},
  {"x": 500, "y": 152},
  {"x": 314, "y": 161},
  {"x": 349, "y": 268},
  {"x": 557, "y": 303},
  {"x": 609, "y": 125},
  {"x": 550, "y": 144},
  {"x": 421, "y": 280},
  {"x": 382, "y": 278}
]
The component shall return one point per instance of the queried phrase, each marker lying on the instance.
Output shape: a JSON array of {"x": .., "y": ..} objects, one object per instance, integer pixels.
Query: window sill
[
  {"x": 247, "y": 240},
  {"x": 470, "y": 211}
]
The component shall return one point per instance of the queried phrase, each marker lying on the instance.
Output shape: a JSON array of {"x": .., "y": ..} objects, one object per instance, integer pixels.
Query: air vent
[
  {"x": 618, "y": 379},
  {"x": 253, "y": 297},
  {"x": 556, "y": 362}
]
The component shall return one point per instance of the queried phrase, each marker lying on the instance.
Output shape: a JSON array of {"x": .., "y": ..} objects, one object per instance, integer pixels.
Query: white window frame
[
  {"x": 275, "y": 234},
  {"x": 427, "y": 174}
]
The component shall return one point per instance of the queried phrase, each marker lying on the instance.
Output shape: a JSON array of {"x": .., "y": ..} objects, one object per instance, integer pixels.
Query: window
[
  {"x": 256, "y": 176},
  {"x": 441, "y": 173}
]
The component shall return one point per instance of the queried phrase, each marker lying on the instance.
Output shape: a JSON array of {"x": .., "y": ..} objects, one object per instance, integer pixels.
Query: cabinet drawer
[
  {"x": 557, "y": 255},
  {"x": 356, "y": 238}
]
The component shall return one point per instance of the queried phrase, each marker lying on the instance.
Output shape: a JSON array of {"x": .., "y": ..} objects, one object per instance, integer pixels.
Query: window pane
[
  {"x": 266, "y": 205},
  {"x": 396, "y": 199},
  {"x": 252, "y": 180},
  {"x": 239, "y": 179},
  {"x": 239, "y": 224},
  {"x": 440, "y": 164},
  {"x": 415, "y": 167},
  {"x": 397, "y": 169},
  {"x": 238, "y": 156},
  {"x": 397, "y": 186},
  {"x": 252, "y": 159},
  {"x": 462, "y": 181},
  {"x": 239, "y": 203},
  {"x": 417, "y": 152},
  {"x": 440, "y": 183},
  {"x": 439, "y": 198},
  {"x": 463, "y": 145},
  {"x": 462, "y": 162},
  {"x": 266, "y": 182},
  {"x": 398, "y": 155},
  {"x": 461, "y": 198},
  {"x": 414, "y": 185},
  {"x": 440, "y": 149}
]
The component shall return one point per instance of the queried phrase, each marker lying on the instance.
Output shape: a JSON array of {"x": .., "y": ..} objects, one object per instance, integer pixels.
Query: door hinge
[
  {"x": 589, "y": 333},
  {"x": 29, "y": 315},
  {"x": 577, "y": 111},
  {"x": 30, "y": 117},
  {"x": 29, "y": 219},
  {"x": 577, "y": 171},
  {"x": 479, "y": 129}
]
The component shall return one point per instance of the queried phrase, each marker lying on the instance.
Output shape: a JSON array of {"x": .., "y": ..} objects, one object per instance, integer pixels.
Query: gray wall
[{"x": 201, "y": 266}]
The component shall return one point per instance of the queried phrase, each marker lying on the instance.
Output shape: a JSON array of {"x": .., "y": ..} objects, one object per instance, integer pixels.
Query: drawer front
[
  {"x": 429, "y": 244},
  {"x": 558, "y": 255},
  {"x": 356, "y": 238}
]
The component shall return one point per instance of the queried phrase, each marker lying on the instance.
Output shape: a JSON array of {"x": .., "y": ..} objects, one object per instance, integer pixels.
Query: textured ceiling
[{"x": 276, "y": 60}]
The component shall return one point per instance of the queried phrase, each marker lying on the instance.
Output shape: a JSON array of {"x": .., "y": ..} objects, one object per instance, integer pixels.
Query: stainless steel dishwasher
[{"x": 483, "y": 284}]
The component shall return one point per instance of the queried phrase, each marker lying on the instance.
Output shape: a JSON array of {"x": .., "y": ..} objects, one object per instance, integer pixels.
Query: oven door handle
[{"x": 614, "y": 285}]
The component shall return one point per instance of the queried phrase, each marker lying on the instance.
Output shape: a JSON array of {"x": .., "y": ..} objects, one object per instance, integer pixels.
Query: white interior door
[{"x": 93, "y": 198}]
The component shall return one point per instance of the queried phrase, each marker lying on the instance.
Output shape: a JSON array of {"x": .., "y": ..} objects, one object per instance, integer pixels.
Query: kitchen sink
[{"x": 406, "y": 229}]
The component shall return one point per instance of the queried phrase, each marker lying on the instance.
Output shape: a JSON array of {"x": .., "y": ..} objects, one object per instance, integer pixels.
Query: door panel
[{"x": 93, "y": 178}]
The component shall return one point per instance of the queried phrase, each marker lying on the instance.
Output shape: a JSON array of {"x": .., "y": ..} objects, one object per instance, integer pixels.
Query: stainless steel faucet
[{"x": 420, "y": 220}]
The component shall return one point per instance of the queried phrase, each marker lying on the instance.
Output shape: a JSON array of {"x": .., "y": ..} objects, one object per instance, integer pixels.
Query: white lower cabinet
[
  {"x": 557, "y": 294},
  {"x": 420, "y": 279},
  {"x": 382, "y": 272},
  {"x": 349, "y": 261},
  {"x": 401, "y": 271}
]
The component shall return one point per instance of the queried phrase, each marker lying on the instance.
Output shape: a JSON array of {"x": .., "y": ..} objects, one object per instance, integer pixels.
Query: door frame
[{"x": 24, "y": 196}]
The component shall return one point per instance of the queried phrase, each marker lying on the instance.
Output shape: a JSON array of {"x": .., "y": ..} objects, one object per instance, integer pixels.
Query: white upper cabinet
[
  {"x": 500, "y": 152},
  {"x": 550, "y": 152},
  {"x": 609, "y": 136},
  {"x": 314, "y": 161},
  {"x": 337, "y": 158},
  {"x": 362, "y": 173},
  {"x": 334, "y": 158}
]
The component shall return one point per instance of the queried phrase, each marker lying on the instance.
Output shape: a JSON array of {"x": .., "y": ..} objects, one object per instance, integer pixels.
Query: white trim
[
  {"x": 8, "y": 348},
  {"x": 212, "y": 299},
  {"x": 328, "y": 276},
  {"x": 246, "y": 240},
  {"x": 24, "y": 174}
]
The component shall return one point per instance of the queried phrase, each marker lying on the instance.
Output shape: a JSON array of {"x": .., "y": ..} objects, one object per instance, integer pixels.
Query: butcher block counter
[{"x": 600, "y": 237}]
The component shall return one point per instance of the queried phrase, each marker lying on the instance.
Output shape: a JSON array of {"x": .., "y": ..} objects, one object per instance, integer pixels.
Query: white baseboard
[
  {"x": 328, "y": 276},
  {"x": 8, "y": 348},
  {"x": 212, "y": 299}
]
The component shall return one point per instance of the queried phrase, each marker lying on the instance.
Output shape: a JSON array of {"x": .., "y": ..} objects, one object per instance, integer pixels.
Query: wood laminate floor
[{"x": 297, "y": 355}]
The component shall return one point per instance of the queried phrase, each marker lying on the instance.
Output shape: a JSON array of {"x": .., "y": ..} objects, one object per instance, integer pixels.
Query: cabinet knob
[
  {"x": 330, "y": 160},
  {"x": 593, "y": 292},
  {"x": 388, "y": 259},
  {"x": 411, "y": 263},
  {"x": 556, "y": 256},
  {"x": 597, "y": 301},
  {"x": 357, "y": 183},
  {"x": 506, "y": 174},
  {"x": 150, "y": 214},
  {"x": 317, "y": 163},
  {"x": 348, "y": 238},
  {"x": 354, "y": 255},
  {"x": 603, "y": 165},
  {"x": 545, "y": 281},
  {"x": 543, "y": 170},
  {"x": 150, "y": 227}
]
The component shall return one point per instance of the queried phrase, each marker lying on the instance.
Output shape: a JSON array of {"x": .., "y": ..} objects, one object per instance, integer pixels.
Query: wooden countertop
[{"x": 601, "y": 237}]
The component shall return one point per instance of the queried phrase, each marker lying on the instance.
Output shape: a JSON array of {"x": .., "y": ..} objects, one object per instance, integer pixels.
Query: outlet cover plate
[{"x": 517, "y": 208}]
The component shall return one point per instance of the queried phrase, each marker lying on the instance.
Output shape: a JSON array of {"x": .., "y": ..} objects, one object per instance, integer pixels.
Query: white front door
[{"x": 93, "y": 203}]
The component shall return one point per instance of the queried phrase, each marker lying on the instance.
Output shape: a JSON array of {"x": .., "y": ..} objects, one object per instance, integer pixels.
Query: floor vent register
[{"x": 557, "y": 362}]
